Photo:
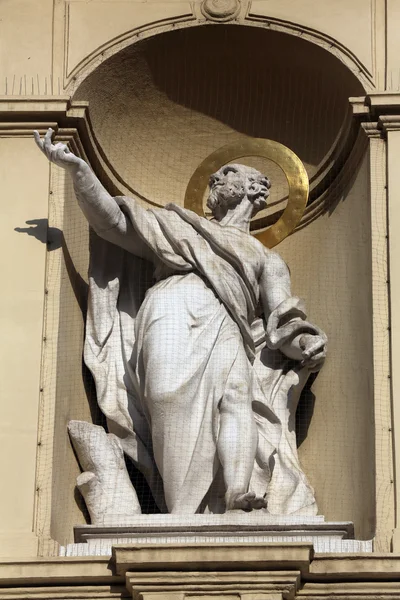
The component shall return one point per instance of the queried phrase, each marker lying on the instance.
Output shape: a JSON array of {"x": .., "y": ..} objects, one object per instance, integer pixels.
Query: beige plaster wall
[
  {"x": 394, "y": 248},
  {"x": 393, "y": 45},
  {"x": 70, "y": 395},
  {"x": 26, "y": 42},
  {"x": 330, "y": 263},
  {"x": 22, "y": 270}
]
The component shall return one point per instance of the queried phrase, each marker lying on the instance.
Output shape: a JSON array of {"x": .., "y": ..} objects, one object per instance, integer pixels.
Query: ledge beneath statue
[{"x": 233, "y": 527}]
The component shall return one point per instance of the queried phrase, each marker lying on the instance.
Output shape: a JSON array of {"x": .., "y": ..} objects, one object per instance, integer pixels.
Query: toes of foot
[{"x": 259, "y": 503}]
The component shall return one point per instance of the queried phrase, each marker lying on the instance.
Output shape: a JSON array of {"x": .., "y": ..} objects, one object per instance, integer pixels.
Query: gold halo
[{"x": 287, "y": 160}]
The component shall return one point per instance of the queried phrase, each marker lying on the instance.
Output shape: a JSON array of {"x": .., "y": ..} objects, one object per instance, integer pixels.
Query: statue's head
[{"x": 231, "y": 184}]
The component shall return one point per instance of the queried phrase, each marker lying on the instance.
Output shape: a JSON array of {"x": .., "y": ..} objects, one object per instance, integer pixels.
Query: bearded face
[{"x": 231, "y": 184}]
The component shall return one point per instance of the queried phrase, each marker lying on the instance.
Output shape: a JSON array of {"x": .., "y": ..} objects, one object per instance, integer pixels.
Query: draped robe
[{"x": 164, "y": 353}]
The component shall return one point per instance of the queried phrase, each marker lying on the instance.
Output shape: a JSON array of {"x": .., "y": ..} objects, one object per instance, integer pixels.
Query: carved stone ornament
[{"x": 220, "y": 10}]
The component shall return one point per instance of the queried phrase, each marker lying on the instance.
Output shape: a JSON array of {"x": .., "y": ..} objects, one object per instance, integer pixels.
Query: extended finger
[
  {"x": 47, "y": 141},
  {"x": 38, "y": 140},
  {"x": 314, "y": 347},
  {"x": 317, "y": 357},
  {"x": 315, "y": 362}
]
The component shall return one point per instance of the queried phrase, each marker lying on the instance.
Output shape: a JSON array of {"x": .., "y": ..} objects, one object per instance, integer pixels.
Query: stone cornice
[
  {"x": 252, "y": 585},
  {"x": 178, "y": 571},
  {"x": 57, "y": 571},
  {"x": 383, "y": 101},
  {"x": 216, "y": 556},
  {"x": 354, "y": 567},
  {"x": 33, "y": 104},
  {"x": 389, "y": 122},
  {"x": 377, "y": 112},
  {"x": 371, "y": 129}
]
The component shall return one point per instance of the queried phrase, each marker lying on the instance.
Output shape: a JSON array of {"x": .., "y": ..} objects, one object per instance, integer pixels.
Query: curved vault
[{"x": 159, "y": 107}]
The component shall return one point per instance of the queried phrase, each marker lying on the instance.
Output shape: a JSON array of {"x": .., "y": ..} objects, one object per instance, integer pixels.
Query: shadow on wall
[
  {"x": 39, "y": 229},
  {"x": 54, "y": 239},
  {"x": 261, "y": 83}
]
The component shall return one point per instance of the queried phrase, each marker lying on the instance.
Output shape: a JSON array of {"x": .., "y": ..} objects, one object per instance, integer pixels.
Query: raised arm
[
  {"x": 307, "y": 343},
  {"x": 100, "y": 209}
]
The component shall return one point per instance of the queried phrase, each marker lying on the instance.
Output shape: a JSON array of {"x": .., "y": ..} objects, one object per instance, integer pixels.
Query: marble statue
[{"x": 197, "y": 346}]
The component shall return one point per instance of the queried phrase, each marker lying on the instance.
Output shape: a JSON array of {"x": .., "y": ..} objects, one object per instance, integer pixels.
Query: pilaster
[
  {"x": 384, "y": 478},
  {"x": 26, "y": 404},
  {"x": 390, "y": 126},
  {"x": 379, "y": 114}
]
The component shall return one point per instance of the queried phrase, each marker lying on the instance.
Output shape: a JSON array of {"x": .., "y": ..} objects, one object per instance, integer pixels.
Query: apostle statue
[{"x": 197, "y": 346}]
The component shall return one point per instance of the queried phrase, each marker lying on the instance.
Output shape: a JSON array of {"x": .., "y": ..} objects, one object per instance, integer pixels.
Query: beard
[
  {"x": 226, "y": 195},
  {"x": 231, "y": 193}
]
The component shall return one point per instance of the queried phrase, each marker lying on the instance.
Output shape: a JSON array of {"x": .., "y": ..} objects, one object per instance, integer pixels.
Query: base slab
[{"x": 233, "y": 527}]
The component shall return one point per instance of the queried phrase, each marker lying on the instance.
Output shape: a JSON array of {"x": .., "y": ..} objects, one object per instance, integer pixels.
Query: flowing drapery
[{"x": 163, "y": 355}]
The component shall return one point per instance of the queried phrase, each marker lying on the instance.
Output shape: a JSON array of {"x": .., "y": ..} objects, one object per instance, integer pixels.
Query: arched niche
[
  {"x": 157, "y": 109},
  {"x": 161, "y": 106}
]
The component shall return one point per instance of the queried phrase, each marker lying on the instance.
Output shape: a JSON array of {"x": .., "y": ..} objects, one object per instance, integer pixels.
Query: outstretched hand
[{"x": 59, "y": 153}]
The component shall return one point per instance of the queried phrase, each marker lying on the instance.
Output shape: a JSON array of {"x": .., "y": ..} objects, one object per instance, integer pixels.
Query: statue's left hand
[{"x": 313, "y": 349}]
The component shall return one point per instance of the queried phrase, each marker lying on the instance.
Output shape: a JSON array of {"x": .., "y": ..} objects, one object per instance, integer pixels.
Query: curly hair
[{"x": 250, "y": 182}]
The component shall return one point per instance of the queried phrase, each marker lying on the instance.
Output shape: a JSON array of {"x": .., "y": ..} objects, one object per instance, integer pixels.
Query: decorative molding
[
  {"x": 330, "y": 44},
  {"x": 16, "y": 129},
  {"x": 389, "y": 122},
  {"x": 383, "y": 100},
  {"x": 176, "y": 572},
  {"x": 243, "y": 585},
  {"x": 200, "y": 557},
  {"x": 371, "y": 129},
  {"x": 58, "y": 571},
  {"x": 68, "y": 591},
  {"x": 377, "y": 113},
  {"x": 15, "y": 105},
  {"x": 220, "y": 10},
  {"x": 358, "y": 105}
]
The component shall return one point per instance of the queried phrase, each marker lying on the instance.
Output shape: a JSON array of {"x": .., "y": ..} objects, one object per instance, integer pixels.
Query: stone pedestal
[
  {"x": 234, "y": 527},
  {"x": 213, "y": 571}
]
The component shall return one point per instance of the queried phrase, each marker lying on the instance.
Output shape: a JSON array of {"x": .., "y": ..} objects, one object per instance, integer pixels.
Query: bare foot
[
  {"x": 259, "y": 503},
  {"x": 247, "y": 501}
]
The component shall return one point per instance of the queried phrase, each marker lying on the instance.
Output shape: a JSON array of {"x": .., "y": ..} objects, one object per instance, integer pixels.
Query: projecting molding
[
  {"x": 378, "y": 112},
  {"x": 177, "y": 572}
]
